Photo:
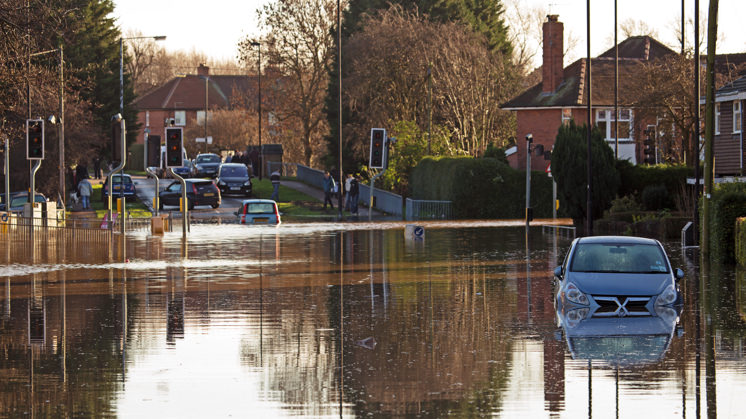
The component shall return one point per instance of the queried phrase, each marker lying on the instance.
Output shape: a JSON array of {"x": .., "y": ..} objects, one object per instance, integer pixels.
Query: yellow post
[
  {"x": 119, "y": 205},
  {"x": 181, "y": 204}
]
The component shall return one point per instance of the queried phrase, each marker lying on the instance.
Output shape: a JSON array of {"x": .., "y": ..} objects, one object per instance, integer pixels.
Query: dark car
[
  {"x": 185, "y": 170},
  {"x": 18, "y": 199},
  {"x": 199, "y": 192},
  {"x": 614, "y": 276},
  {"x": 234, "y": 178},
  {"x": 122, "y": 184},
  {"x": 206, "y": 165}
]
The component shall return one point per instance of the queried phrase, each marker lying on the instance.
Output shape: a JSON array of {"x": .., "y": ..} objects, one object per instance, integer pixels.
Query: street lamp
[
  {"x": 121, "y": 65},
  {"x": 259, "y": 66},
  {"x": 207, "y": 80}
]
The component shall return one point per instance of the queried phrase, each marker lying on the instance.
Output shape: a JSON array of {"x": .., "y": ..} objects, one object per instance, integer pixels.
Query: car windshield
[
  {"x": 260, "y": 208},
  {"x": 121, "y": 179},
  {"x": 18, "y": 201},
  {"x": 208, "y": 159},
  {"x": 234, "y": 171},
  {"x": 618, "y": 258}
]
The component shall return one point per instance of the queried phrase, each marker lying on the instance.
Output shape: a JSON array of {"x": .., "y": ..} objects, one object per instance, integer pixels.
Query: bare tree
[{"x": 299, "y": 44}]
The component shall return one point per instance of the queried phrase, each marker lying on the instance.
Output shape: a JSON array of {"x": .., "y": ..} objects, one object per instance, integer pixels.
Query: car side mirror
[
  {"x": 558, "y": 272},
  {"x": 678, "y": 274}
]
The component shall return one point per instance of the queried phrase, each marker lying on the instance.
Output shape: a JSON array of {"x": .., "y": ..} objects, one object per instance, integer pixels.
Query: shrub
[
  {"x": 481, "y": 188},
  {"x": 728, "y": 204},
  {"x": 656, "y": 197},
  {"x": 636, "y": 178},
  {"x": 741, "y": 241}
]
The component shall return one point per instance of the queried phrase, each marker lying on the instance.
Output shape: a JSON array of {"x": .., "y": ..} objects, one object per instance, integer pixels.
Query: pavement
[{"x": 319, "y": 194}]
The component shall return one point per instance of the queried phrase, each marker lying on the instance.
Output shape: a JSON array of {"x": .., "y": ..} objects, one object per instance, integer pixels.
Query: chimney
[
  {"x": 551, "y": 69},
  {"x": 203, "y": 70}
]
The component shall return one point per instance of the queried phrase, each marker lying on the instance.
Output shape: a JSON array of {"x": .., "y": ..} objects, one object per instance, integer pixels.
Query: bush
[
  {"x": 741, "y": 241},
  {"x": 481, "y": 188},
  {"x": 656, "y": 197},
  {"x": 728, "y": 204},
  {"x": 636, "y": 178},
  {"x": 569, "y": 166},
  {"x": 627, "y": 203}
]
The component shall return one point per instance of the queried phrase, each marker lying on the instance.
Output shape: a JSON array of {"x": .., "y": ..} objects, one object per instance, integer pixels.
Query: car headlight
[
  {"x": 575, "y": 295},
  {"x": 220, "y": 182},
  {"x": 247, "y": 183},
  {"x": 667, "y": 297}
]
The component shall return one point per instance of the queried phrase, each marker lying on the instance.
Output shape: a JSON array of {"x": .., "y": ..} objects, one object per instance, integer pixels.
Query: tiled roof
[
  {"x": 738, "y": 85},
  {"x": 188, "y": 92},
  {"x": 571, "y": 93}
]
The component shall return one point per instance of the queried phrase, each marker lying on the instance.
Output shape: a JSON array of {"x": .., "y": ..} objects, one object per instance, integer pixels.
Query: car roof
[
  {"x": 257, "y": 201},
  {"x": 207, "y": 154},
  {"x": 196, "y": 181},
  {"x": 234, "y": 164},
  {"x": 617, "y": 240}
]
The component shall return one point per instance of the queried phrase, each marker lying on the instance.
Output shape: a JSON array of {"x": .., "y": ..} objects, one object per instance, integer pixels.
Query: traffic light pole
[
  {"x": 119, "y": 168},
  {"x": 156, "y": 199},
  {"x": 184, "y": 203}
]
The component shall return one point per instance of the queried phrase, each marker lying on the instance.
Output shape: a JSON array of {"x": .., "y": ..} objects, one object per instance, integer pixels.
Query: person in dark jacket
[{"x": 328, "y": 186}]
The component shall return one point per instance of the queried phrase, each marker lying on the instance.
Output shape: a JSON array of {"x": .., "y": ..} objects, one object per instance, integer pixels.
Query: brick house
[
  {"x": 729, "y": 119},
  {"x": 561, "y": 96},
  {"x": 183, "y": 100}
]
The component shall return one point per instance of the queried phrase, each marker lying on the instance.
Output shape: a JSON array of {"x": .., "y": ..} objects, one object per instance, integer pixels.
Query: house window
[
  {"x": 201, "y": 117},
  {"x": 737, "y": 116},
  {"x": 179, "y": 118},
  {"x": 566, "y": 116},
  {"x": 605, "y": 121},
  {"x": 717, "y": 118}
]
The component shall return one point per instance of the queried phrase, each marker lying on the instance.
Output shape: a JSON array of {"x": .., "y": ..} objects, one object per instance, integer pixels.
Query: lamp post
[
  {"x": 121, "y": 65},
  {"x": 207, "y": 80},
  {"x": 259, "y": 66}
]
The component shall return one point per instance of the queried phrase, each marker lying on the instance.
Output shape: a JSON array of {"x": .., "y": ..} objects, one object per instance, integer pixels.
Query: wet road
[{"x": 351, "y": 320}]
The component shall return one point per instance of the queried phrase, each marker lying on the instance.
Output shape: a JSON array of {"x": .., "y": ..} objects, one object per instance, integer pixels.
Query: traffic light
[
  {"x": 154, "y": 151},
  {"x": 174, "y": 146},
  {"x": 116, "y": 141},
  {"x": 649, "y": 146},
  {"x": 35, "y": 139},
  {"x": 377, "y": 148}
]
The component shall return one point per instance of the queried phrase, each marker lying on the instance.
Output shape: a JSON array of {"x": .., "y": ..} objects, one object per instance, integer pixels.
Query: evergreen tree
[{"x": 93, "y": 53}]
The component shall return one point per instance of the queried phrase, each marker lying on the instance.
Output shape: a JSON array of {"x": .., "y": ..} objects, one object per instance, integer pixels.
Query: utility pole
[{"x": 712, "y": 19}]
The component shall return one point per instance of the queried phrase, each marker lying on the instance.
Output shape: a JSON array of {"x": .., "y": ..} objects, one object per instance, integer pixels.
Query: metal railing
[
  {"x": 562, "y": 231},
  {"x": 384, "y": 201},
  {"x": 419, "y": 209}
]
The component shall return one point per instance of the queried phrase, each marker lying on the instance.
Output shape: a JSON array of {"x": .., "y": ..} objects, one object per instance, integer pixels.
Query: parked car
[
  {"x": 613, "y": 276},
  {"x": 122, "y": 184},
  {"x": 234, "y": 178},
  {"x": 199, "y": 192},
  {"x": 18, "y": 199},
  {"x": 206, "y": 165},
  {"x": 258, "y": 211},
  {"x": 185, "y": 170}
]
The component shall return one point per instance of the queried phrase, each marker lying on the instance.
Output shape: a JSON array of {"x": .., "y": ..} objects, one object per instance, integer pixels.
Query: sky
[{"x": 217, "y": 28}]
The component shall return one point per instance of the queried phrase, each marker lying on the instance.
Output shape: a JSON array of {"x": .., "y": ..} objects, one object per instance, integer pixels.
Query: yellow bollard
[
  {"x": 119, "y": 205},
  {"x": 181, "y": 204}
]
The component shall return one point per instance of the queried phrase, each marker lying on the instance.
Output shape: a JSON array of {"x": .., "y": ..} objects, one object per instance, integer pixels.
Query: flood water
[{"x": 348, "y": 320}]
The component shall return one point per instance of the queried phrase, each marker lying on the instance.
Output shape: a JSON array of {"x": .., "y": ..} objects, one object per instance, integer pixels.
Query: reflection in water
[{"x": 315, "y": 321}]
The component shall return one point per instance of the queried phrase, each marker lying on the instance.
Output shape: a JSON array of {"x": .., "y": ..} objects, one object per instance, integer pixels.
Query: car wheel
[
  {"x": 160, "y": 204},
  {"x": 215, "y": 205},
  {"x": 190, "y": 204}
]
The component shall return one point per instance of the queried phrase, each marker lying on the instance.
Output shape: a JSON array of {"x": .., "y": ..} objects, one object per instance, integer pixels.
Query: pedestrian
[
  {"x": 329, "y": 186},
  {"x": 275, "y": 178},
  {"x": 354, "y": 195},
  {"x": 85, "y": 190},
  {"x": 97, "y": 167},
  {"x": 347, "y": 191}
]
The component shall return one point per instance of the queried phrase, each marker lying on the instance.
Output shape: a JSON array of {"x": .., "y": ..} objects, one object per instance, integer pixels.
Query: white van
[{"x": 183, "y": 171}]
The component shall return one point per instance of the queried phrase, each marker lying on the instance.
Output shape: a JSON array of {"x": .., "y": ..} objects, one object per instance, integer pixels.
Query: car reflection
[{"x": 618, "y": 340}]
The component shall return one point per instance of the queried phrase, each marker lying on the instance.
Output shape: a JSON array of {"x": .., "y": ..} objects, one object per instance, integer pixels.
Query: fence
[
  {"x": 418, "y": 209},
  {"x": 310, "y": 176},
  {"x": 388, "y": 202},
  {"x": 562, "y": 231}
]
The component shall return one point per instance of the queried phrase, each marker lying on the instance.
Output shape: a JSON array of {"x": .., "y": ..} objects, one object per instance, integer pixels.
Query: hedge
[
  {"x": 481, "y": 188},
  {"x": 728, "y": 204},
  {"x": 634, "y": 179},
  {"x": 741, "y": 241}
]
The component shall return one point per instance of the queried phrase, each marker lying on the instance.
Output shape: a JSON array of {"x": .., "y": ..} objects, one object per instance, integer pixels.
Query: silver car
[{"x": 615, "y": 276}]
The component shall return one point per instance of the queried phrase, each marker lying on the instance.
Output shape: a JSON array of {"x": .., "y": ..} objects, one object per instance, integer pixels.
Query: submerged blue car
[{"x": 615, "y": 276}]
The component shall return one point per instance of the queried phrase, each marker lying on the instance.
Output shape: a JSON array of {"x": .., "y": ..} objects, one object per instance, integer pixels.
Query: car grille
[{"x": 621, "y": 306}]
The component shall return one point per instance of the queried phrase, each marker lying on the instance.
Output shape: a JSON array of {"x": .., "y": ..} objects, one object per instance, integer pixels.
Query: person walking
[
  {"x": 328, "y": 189},
  {"x": 275, "y": 178},
  {"x": 97, "y": 167},
  {"x": 347, "y": 191},
  {"x": 354, "y": 194},
  {"x": 85, "y": 190}
]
